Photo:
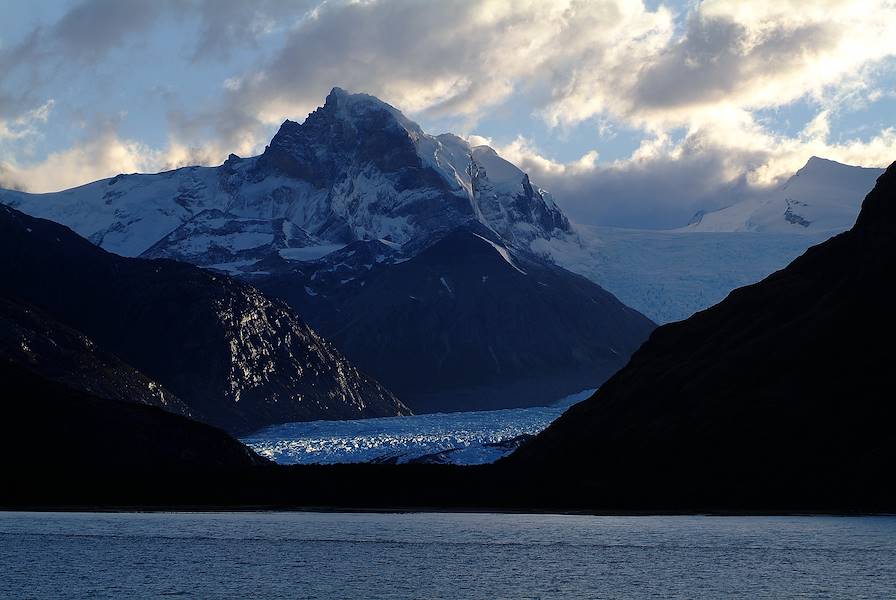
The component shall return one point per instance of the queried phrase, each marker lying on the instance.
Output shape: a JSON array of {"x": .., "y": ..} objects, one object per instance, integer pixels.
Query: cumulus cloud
[
  {"x": 730, "y": 55},
  {"x": 100, "y": 156},
  {"x": 25, "y": 125},
  {"x": 228, "y": 25},
  {"x": 456, "y": 58},
  {"x": 94, "y": 27},
  {"x": 614, "y": 60},
  {"x": 691, "y": 79},
  {"x": 666, "y": 181},
  {"x": 8, "y": 179}
]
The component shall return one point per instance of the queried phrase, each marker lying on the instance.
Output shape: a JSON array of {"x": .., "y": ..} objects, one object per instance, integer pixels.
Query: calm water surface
[{"x": 342, "y": 555}]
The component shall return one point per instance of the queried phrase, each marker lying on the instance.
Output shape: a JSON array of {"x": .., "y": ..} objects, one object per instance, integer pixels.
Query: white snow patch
[
  {"x": 390, "y": 243},
  {"x": 445, "y": 284},
  {"x": 502, "y": 251}
]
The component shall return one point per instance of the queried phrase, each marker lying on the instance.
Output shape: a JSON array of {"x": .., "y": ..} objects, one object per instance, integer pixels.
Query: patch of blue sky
[
  {"x": 867, "y": 122},
  {"x": 20, "y": 18},
  {"x": 154, "y": 77},
  {"x": 861, "y": 116},
  {"x": 789, "y": 119}
]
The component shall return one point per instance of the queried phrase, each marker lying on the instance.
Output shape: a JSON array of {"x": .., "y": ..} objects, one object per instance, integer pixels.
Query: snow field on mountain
[{"x": 669, "y": 276}]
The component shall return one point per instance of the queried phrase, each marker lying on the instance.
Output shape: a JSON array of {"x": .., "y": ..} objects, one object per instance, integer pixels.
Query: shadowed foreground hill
[
  {"x": 237, "y": 359},
  {"x": 35, "y": 342},
  {"x": 75, "y": 434},
  {"x": 784, "y": 387}
]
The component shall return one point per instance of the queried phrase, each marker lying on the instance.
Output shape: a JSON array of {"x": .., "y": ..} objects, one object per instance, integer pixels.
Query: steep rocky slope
[{"x": 236, "y": 358}]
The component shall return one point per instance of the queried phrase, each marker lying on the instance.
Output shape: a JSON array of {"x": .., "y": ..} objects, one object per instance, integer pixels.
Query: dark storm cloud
[
  {"x": 92, "y": 28},
  {"x": 226, "y": 25},
  {"x": 662, "y": 193},
  {"x": 718, "y": 58}
]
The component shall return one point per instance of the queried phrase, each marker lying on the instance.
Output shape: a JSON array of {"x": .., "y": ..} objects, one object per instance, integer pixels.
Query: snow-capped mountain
[
  {"x": 670, "y": 274},
  {"x": 355, "y": 169},
  {"x": 412, "y": 252},
  {"x": 822, "y": 196}
]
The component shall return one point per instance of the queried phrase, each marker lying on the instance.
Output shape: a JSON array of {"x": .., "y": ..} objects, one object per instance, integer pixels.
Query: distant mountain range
[
  {"x": 424, "y": 258},
  {"x": 412, "y": 252}
]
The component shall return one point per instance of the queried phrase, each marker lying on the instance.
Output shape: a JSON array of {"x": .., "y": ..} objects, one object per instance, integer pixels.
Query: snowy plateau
[{"x": 670, "y": 275}]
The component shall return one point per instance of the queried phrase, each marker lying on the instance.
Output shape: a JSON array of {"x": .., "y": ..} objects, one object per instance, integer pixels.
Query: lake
[{"x": 443, "y": 555}]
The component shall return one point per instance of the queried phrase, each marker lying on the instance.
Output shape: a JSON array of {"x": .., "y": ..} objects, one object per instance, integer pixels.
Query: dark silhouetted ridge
[{"x": 783, "y": 390}]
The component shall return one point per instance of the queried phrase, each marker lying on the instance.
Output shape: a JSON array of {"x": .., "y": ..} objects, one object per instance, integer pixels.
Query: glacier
[
  {"x": 466, "y": 438},
  {"x": 670, "y": 275}
]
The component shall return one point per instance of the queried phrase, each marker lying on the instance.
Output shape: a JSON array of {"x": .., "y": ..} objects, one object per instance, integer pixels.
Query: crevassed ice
[{"x": 461, "y": 438}]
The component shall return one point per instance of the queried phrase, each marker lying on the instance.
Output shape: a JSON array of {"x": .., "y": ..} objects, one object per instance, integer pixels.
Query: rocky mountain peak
[{"x": 355, "y": 169}]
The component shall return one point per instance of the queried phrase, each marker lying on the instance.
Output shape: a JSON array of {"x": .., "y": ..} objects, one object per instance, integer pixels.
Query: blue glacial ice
[{"x": 467, "y": 438}]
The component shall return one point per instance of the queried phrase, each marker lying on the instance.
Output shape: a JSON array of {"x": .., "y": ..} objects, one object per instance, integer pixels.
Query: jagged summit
[
  {"x": 350, "y": 105},
  {"x": 355, "y": 169}
]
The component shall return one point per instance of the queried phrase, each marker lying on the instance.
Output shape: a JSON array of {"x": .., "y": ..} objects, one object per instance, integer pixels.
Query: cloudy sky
[{"x": 633, "y": 113}]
